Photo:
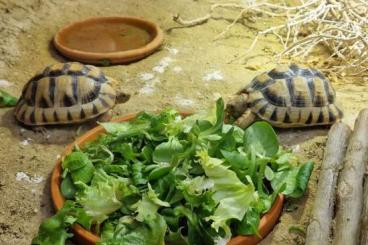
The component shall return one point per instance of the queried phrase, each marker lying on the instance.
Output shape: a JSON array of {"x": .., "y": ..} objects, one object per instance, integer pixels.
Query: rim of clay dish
[
  {"x": 84, "y": 237},
  {"x": 111, "y": 57}
]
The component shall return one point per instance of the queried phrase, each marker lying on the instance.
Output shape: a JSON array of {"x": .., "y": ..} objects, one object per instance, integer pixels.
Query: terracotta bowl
[
  {"x": 108, "y": 38},
  {"x": 84, "y": 237}
]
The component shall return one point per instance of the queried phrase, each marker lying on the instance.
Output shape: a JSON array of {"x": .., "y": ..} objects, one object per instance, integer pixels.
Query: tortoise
[
  {"x": 67, "y": 93},
  {"x": 287, "y": 96}
]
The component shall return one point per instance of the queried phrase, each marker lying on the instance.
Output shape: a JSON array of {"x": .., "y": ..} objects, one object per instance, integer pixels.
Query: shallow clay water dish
[
  {"x": 108, "y": 40},
  {"x": 84, "y": 237}
]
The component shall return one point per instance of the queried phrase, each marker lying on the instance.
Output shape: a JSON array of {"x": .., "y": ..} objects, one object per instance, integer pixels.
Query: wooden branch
[
  {"x": 190, "y": 23},
  {"x": 318, "y": 232},
  {"x": 350, "y": 185},
  {"x": 364, "y": 222}
]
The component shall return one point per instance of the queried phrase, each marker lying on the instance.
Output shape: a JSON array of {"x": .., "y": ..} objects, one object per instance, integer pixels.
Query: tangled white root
[{"x": 339, "y": 25}]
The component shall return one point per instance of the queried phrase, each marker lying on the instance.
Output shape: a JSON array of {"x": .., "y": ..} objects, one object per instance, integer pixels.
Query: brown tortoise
[
  {"x": 287, "y": 96},
  {"x": 66, "y": 93}
]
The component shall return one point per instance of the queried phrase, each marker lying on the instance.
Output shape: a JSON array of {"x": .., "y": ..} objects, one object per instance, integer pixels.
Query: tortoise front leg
[
  {"x": 105, "y": 117},
  {"x": 246, "y": 119},
  {"x": 121, "y": 96},
  {"x": 40, "y": 130}
]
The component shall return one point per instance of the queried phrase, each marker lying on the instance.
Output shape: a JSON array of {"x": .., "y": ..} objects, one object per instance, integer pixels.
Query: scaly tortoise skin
[
  {"x": 287, "y": 96},
  {"x": 65, "y": 93}
]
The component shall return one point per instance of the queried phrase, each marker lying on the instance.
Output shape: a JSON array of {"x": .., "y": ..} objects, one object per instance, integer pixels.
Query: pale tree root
[
  {"x": 350, "y": 185},
  {"x": 318, "y": 232}
]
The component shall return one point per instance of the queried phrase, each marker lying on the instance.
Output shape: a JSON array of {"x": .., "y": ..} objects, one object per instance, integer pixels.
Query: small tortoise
[
  {"x": 66, "y": 93},
  {"x": 287, "y": 96}
]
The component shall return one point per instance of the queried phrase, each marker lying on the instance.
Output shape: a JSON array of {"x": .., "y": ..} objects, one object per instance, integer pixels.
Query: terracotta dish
[
  {"x": 108, "y": 40},
  {"x": 84, "y": 237}
]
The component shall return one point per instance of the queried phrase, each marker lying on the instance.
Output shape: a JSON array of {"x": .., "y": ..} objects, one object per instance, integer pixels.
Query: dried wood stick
[
  {"x": 190, "y": 23},
  {"x": 364, "y": 225},
  {"x": 318, "y": 232},
  {"x": 350, "y": 185}
]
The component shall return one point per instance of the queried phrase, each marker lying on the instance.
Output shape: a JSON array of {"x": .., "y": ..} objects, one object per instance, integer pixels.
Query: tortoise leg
[
  {"x": 41, "y": 130},
  {"x": 246, "y": 119},
  {"x": 121, "y": 96},
  {"x": 105, "y": 117}
]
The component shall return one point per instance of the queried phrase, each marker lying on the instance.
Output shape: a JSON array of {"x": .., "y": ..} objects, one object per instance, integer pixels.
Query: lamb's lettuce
[{"x": 262, "y": 138}]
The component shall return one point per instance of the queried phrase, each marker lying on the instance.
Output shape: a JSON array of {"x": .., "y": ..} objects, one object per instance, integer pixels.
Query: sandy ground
[{"x": 196, "y": 70}]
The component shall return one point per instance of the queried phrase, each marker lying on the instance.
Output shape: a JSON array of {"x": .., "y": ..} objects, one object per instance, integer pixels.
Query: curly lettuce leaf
[
  {"x": 103, "y": 196},
  {"x": 197, "y": 185},
  {"x": 148, "y": 206},
  {"x": 130, "y": 231},
  {"x": 234, "y": 197},
  {"x": 147, "y": 228},
  {"x": 54, "y": 230},
  {"x": 195, "y": 192}
]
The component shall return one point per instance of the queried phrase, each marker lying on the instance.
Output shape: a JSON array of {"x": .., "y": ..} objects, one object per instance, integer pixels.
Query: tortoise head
[
  {"x": 121, "y": 96},
  {"x": 237, "y": 105}
]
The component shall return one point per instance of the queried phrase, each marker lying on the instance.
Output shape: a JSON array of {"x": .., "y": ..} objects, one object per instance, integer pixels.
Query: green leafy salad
[
  {"x": 162, "y": 178},
  {"x": 7, "y": 100}
]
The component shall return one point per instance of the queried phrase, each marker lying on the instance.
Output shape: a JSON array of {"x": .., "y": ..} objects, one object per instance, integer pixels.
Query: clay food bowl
[
  {"x": 84, "y": 237},
  {"x": 108, "y": 40}
]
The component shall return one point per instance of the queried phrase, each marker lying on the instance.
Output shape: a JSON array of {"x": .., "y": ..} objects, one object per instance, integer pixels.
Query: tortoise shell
[
  {"x": 290, "y": 96},
  {"x": 65, "y": 93}
]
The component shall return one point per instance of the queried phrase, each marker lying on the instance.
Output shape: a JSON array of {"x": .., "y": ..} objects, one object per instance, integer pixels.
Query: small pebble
[
  {"x": 26, "y": 141},
  {"x": 4, "y": 83},
  {"x": 146, "y": 76},
  {"x": 295, "y": 148},
  {"x": 163, "y": 64},
  {"x": 21, "y": 176},
  {"x": 213, "y": 76},
  {"x": 179, "y": 100},
  {"x": 177, "y": 69},
  {"x": 172, "y": 51},
  {"x": 147, "y": 90},
  {"x": 216, "y": 95},
  {"x": 149, "y": 87}
]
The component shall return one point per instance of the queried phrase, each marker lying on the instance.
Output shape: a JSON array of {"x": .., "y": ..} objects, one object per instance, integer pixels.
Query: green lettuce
[
  {"x": 147, "y": 228},
  {"x": 7, "y": 100},
  {"x": 54, "y": 230},
  {"x": 129, "y": 231},
  {"x": 103, "y": 196},
  {"x": 234, "y": 197},
  {"x": 163, "y": 178}
]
